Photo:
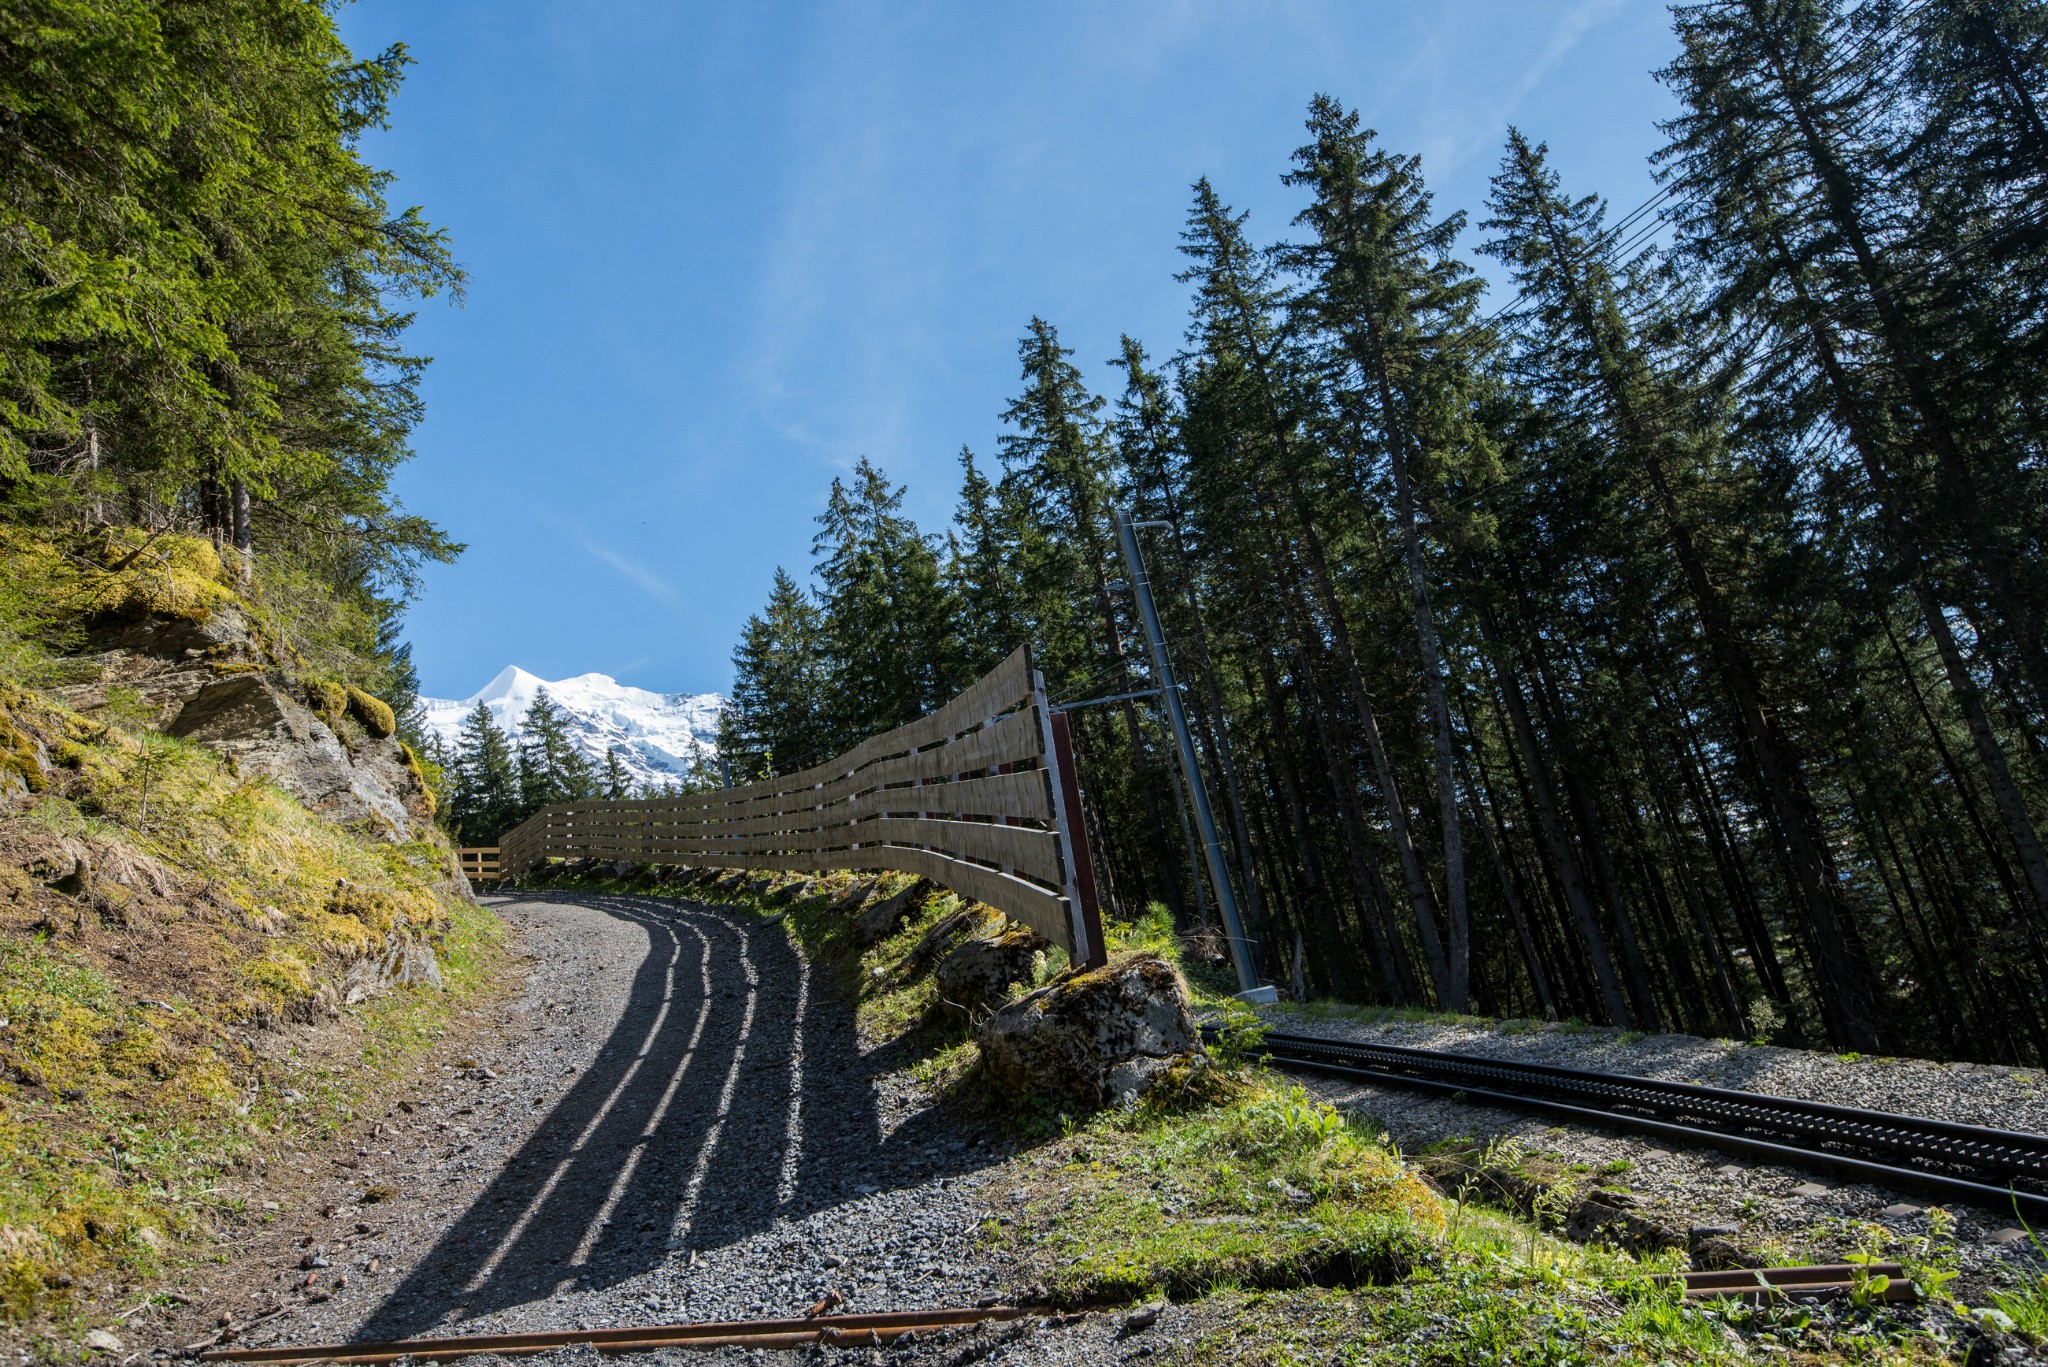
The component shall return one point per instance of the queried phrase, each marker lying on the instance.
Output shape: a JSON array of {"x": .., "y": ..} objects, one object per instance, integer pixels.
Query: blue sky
[{"x": 719, "y": 252}]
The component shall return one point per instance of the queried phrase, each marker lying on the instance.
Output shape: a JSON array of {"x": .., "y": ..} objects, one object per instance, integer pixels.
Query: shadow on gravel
[{"x": 681, "y": 1134}]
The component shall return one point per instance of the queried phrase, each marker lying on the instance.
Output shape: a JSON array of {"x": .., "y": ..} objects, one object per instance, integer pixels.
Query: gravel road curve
[{"x": 668, "y": 1125}]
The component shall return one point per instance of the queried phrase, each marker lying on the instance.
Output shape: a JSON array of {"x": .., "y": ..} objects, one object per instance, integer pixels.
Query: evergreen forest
[
  {"x": 204, "y": 294},
  {"x": 1657, "y": 640}
]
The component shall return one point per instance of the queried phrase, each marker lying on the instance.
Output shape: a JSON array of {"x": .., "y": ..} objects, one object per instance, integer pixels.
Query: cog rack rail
[{"x": 1999, "y": 1170}]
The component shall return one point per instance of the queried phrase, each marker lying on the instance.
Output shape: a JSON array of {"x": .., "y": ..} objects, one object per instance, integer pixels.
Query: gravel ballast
[{"x": 1781, "y": 1213}]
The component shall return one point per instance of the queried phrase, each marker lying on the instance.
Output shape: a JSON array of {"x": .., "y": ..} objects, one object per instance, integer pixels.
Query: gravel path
[{"x": 668, "y": 1125}]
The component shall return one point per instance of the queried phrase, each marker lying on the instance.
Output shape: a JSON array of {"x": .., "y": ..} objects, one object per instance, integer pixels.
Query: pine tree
[
  {"x": 775, "y": 721},
  {"x": 551, "y": 768},
  {"x": 886, "y": 618},
  {"x": 484, "y": 801},
  {"x": 1399, "y": 310},
  {"x": 981, "y": 554},
  {"x": 616, "y": 784},
  {"x": 1238, "y": 321}
]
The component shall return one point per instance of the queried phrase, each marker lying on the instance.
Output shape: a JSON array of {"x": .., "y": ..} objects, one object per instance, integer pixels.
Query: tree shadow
[{"x": 731, "y": 1094}]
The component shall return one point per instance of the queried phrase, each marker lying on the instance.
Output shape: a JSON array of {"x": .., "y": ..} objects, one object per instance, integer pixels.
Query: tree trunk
[{"x": 1509, "y": 689}]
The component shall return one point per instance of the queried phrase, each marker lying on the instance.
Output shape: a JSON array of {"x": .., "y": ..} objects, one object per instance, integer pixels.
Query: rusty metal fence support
[{"x": 978, "y": 797}]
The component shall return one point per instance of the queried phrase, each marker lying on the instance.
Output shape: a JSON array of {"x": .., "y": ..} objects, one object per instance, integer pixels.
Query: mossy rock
[
  {"x": 977, "y": 975},
  {"x": 374, "y": 713},
  {"x": 326, "y": 697},
  {"x": 19, "y": 755},
  {"x": 419, "y": 776},
  {"x": 382, "y": 911},
  {"x": 164, "y": 576}
]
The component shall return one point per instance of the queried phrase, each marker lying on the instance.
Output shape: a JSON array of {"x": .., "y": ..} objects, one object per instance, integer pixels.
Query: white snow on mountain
[{"x": 658, "y": 736}]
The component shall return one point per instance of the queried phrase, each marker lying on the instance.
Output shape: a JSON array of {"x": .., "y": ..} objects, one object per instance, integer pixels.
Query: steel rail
[
  {"x": 850, "y": 1331},
  {"x": 1829, "y": 1281},
  {"x": 1953, "y": 1161}
]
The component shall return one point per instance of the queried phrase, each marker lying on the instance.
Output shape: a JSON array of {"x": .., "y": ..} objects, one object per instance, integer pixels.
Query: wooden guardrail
[
  {"x": 971, "y": 797},
  {"x": 479, "y": 863}
]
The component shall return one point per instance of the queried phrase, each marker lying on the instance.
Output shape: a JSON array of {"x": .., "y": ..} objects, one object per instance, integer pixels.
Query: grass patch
[
  {"x": 1457, "y": 1313},
  {"x": 1225, "y": 1181}
]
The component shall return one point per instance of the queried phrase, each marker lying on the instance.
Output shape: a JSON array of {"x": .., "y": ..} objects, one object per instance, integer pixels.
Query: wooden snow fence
[{"x": 972, "y": 797}]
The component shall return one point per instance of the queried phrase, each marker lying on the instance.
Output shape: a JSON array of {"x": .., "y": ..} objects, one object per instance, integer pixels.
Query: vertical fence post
[{"x": 1067, "y": 788}]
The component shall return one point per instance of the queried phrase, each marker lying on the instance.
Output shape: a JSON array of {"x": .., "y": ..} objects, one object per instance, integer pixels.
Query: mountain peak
[
  {"x": 658, "y": 737},
  {"x": 511, "y": 680}
]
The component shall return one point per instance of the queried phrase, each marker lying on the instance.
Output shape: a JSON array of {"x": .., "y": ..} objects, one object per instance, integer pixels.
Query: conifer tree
[
  {"x": 1057, "y": 466},
  {"x": 775, "y": 721},
  {"x": 484, "y": 801},
  {"x": 885, "y": 615},
  {"x": 1380, "y": 282},
  {"x": 616, "y": 783},
  {"x": 551, "y": 768},
  {"x": 982, "y": 548}
]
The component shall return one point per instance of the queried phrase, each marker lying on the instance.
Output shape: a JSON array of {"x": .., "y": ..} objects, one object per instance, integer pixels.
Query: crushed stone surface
[{"x": 668, "y": 1125}]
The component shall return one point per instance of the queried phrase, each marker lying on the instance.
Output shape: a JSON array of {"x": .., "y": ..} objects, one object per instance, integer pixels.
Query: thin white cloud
[
  {"x": 644, "y": 578},
  {"x": 1571, "y": 26},
  {"x": 1565, "y": 34}
]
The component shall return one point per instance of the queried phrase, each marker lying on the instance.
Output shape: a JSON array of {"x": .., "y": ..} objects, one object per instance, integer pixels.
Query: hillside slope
[{"x": 224, "y": 912}]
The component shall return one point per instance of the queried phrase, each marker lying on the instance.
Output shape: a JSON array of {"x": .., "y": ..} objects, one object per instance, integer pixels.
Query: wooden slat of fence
[
  {"x": 997, "y": 691},
  {"x": 1023, "y": 795},
  {"x": 1045, "y": 912},
  {"x": 1036, "y": 853}
]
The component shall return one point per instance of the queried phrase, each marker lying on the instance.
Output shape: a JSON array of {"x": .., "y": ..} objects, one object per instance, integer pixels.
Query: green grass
[{"x": 1218, "y": 1181}]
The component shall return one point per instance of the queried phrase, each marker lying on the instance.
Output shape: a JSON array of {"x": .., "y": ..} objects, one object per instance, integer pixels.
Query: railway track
[
  {"x": 1880, "y": 1282},
  {"x": 1998, "y": 1170},
  {"x": 841, "y": 1331}
]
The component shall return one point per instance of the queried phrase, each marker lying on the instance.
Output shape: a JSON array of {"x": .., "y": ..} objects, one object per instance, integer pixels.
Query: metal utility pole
[{"x": 1169, "y": 693}]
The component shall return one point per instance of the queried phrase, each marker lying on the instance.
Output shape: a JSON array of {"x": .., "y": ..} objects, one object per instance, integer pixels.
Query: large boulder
[
  {"x": 977, "y": 975},
  {"x": 266, "y": 730},
  {"x": 1103, "y": 1035}
]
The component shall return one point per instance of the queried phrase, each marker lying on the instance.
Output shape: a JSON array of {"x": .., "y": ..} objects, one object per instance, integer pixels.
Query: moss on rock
[
  {"x": 19, "y": 755},
  {"x": 374, "y": 713}
]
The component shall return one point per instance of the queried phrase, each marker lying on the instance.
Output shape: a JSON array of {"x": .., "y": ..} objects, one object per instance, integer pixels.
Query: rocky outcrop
[
  {"x": 880, "y": 921},
  {"x": 403, "y": 963},
  {"x": 1103, "y": 1035},
  {"x": 207, "y": 681},
  {"x": 977, "y": 975},
  {"x": 267, "y": 731}
]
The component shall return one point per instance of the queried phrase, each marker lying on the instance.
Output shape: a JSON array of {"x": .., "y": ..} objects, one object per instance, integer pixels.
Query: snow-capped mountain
[{"x": 658, "y": 736}]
